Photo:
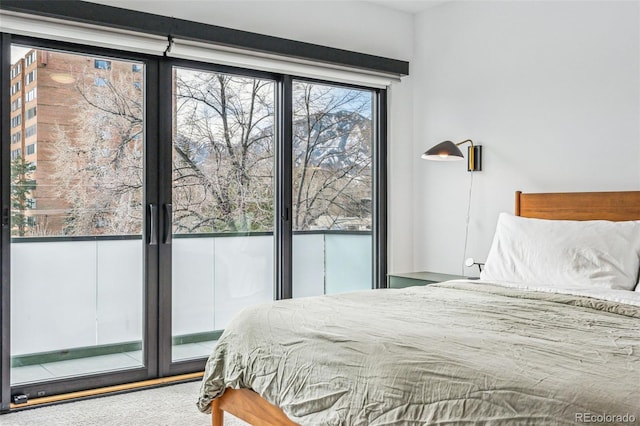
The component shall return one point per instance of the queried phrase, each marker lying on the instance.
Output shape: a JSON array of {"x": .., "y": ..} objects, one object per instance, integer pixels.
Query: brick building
[{"x": 47, "y": 98}]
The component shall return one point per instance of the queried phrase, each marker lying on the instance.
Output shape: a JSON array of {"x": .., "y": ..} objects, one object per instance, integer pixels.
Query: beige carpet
[{"x": 173, "y": 405}]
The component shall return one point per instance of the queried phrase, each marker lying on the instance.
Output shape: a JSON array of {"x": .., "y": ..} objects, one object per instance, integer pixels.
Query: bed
[{"x": 519, "y": 346}]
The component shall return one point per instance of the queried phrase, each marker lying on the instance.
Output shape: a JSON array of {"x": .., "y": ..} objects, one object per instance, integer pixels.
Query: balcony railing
[{"x": 76, "y": 292}]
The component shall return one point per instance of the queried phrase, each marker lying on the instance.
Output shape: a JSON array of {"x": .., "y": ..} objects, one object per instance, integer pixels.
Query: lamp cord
[{"x": 466, "y": 231}]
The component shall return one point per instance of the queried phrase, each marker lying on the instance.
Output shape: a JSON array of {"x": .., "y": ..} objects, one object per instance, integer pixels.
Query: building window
[
  {"x": 16, "y": 153},
  {"x": 15, "y": 88},
  {"x": 31, "y": 203},
  {"x": 136, "y": 68},
  {"x": 31, "y": 95},
  {"x": 16, "y": 104},
  {"x": 101, "y": 64},
  {"x": 16, "y": 121},
  {"x": 31, "y": 130},
  {"x": 31, "y": 77},
  {"x": 31, "y": 149},
  {"x": 137, "y": 85},
  {"x": 31, "y": 112},
  {"x": 16, "y": 137},
  {"x": 99, "y": 81},
  {"x": 31, "y": 58},
  {"x": 16, "y": 70}
]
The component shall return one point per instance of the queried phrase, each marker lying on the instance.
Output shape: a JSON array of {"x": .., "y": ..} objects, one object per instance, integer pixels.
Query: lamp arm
[
  {"x": 472, "y": 160},
  {"x": 465, "y": 141}
]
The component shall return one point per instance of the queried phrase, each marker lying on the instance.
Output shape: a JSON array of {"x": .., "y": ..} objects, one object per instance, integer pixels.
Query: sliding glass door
[
  {"x": 146, "y": 201},
  {"x": 333, "y": 158},
  {"x": 222, "y": 203},
  {"x": 77, "y": 216}
]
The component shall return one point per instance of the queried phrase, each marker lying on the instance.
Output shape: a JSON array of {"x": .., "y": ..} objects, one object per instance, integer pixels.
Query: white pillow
[{"x": 565, "y": 253}]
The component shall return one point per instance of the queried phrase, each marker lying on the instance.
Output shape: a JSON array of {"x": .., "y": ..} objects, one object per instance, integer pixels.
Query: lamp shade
[{"x": 444, "y": 151}]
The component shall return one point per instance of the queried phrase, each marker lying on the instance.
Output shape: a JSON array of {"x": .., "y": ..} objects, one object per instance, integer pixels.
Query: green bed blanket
[{"x": 450, "y": 353}]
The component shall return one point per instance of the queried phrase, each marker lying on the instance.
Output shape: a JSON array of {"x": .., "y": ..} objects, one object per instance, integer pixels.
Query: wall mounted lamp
[{"x": 449, "y": 151}]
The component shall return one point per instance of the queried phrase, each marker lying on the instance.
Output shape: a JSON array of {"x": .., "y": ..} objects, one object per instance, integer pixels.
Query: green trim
[
  {"x": 93, "y": 351},
  {"x": 75, "y": 353},
  {"x": 207, "y": 336}
]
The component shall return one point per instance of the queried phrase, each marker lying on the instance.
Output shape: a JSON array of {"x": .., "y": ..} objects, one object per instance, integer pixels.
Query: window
[
  {"x": 31, "y": 58},
  {"x": 89, "y": 187},
  {"x": 16, "y": 153},
  {"x": 31, "y": 77},
  {"x": 136, "y": 68},
  {"x": 332, "y": 184},
  {"x": 31, "y": 112},
  {"x": 15, "y": 88},
  {"x": 31, "y": 95},
  {"x": 31, "y": 130},
  {"x": 100, "y": 82},
  {"x": 137, "y": 85},
  {"x": 16, "y": 121},
  {"x": 16, "y": 137},
  {"x": 31, "y": 203},
  {"x": 15, "y": 71},
  {"x": 16, "y": 104},
  {"x": 102, "y": 64}
]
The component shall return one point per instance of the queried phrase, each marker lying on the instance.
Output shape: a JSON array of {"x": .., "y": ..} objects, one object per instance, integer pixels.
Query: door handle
[
  {"x": 168, "y": 211},
  {"x": 6, "y": 217},
  {"x": 152, "y": 219}
]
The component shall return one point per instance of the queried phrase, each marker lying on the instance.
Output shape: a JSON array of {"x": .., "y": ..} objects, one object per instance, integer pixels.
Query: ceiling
[{"x": 409, "y": 6}]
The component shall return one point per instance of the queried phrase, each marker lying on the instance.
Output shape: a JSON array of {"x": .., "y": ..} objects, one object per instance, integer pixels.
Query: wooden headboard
[{"x": 616, "y": 206}]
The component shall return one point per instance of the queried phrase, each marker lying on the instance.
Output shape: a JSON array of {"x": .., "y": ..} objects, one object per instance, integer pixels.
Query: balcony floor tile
[
  {"x": 30, "y": 373},
  {"x": 76, "y": 367}
]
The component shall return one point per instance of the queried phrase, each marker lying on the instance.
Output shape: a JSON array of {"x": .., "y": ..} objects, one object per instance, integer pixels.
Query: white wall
[
  {"x": 351, "y": 25},
  {"x": 550, "y": 89}
]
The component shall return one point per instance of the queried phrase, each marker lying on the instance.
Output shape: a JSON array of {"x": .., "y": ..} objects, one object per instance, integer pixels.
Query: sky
[{"x": 18, "y": 52}]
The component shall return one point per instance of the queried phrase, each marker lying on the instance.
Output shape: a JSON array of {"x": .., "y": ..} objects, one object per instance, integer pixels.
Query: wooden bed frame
[
  {"x": 614, "y": 206},
  {"x": 247, "y": 405}
]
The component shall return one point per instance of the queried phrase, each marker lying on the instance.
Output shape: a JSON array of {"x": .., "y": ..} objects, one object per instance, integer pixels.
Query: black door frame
[
  {"x": 158, "y": 174},
  {"x": 168, "y": 367},
  {"x": 150, "y": 270}
]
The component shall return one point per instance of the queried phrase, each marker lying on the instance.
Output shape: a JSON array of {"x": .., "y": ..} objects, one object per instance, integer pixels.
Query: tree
[
  {"x": 224, "y": 158},
  {"x": 223, "y": 155},
  {"x": 332, "y": 157},
  {"x": 99, "y": 159},
  {"x": 22, "y": 183}
]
